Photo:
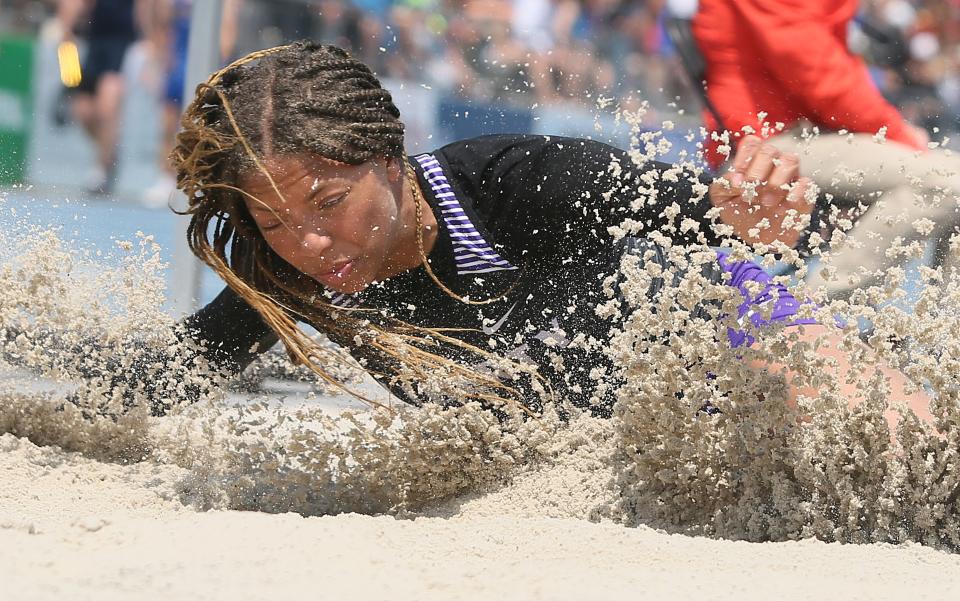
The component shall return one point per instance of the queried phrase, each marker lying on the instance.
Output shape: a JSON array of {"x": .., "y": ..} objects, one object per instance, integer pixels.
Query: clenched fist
[{"x": 762, "y": 189}]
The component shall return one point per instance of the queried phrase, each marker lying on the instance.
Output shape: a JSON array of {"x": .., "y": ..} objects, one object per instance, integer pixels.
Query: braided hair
[{"x": 304, "y": 97}]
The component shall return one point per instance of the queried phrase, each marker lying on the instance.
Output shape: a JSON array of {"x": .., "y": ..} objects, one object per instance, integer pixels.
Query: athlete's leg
[
  {"x": 829, "y": 345},
  {"x": 911, "y": 196},
  {"x": 766, "y": 302},
  {"x": 83, "y": 109}
]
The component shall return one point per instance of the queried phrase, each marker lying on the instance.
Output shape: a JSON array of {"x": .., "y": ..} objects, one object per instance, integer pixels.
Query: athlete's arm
[
  {"x": 229, "y": 335},
  {"x": 566, "y": 194},
  {"x": 563, "y": 195},
  {"x": 231, "y": 331}
]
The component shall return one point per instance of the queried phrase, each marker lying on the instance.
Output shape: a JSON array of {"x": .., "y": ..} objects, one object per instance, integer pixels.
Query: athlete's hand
[{"x": 761, "y": 190}]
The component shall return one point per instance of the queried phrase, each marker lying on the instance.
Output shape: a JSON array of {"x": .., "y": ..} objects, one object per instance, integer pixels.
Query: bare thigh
[{"x": 846, "y": 374}]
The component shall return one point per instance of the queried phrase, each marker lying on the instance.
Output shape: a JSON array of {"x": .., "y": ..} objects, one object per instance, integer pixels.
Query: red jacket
[{"x": 789, "y": 59}]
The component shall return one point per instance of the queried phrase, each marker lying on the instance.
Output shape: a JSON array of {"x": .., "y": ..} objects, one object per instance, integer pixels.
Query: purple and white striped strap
[{"x": 471, "y": 252}]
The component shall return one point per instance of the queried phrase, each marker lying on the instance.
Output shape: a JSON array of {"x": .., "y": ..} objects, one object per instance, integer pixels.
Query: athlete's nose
[{"x": 316, "y": 243}]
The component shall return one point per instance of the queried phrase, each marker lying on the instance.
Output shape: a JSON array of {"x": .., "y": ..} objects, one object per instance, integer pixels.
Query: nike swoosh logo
[{"x": 491, "y": 330}]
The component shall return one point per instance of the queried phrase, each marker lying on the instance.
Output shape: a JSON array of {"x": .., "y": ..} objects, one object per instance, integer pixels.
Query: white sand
[{"x": 74, "y": 528}]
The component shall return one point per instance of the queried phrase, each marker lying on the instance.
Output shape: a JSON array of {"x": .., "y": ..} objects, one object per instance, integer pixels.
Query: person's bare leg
[
  {"x": 541, "y": 74},
  {"x": 109, "y": 100},
  {"x": 160, "y": 193},
  {"x": 829, "y": 346},
  {"x": 84, "y": 112},
  {"x": 171, "y": 120}
]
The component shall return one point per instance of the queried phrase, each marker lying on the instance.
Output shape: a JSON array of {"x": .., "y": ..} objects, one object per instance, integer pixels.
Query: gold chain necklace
[{"x": 419, "y": 201}]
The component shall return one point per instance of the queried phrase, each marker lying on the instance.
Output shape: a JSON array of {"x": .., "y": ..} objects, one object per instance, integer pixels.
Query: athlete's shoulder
[
  {"x": 497, "y": 144},
  {"x": 495, "y": 156}
]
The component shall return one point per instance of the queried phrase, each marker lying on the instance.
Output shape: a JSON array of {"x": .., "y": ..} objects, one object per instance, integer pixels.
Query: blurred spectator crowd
[
  {"x": 919, "y": 70},
  {"x": 574, "y": 51},
  {"x": 513, "y": 51}
]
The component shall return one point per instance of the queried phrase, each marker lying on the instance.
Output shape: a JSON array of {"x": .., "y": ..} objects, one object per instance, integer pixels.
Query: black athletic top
[
  {"x": 113, "y": 19},
  {"x": 518, "y": 213}
]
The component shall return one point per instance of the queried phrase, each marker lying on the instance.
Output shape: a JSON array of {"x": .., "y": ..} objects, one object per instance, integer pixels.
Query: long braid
[
  {"x": 419, "y": 202},
  {"x": 304, "y": 97}
]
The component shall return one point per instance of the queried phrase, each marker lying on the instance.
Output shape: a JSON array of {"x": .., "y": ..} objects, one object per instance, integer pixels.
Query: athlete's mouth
[{"x": 339, "y": 271}]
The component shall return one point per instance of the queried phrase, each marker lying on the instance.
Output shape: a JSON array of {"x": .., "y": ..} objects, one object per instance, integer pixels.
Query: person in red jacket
[{"x": 781, "y": 69}]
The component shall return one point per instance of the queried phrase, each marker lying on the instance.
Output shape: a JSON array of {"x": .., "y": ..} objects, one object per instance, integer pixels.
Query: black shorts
[{"x": 104, "y": 55}]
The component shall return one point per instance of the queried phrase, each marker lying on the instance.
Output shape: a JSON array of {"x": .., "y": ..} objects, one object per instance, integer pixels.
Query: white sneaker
[{"x": 160, "y": 193}]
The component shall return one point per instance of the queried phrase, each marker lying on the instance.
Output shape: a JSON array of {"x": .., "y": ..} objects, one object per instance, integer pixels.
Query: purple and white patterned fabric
[
  {"x": 470, "y": 251},
  {"x": 785, "y": 305},
  {"x": 344, "y": 300}
]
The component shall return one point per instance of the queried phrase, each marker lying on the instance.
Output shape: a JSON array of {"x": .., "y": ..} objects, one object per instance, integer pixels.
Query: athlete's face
[{"x": 335, "y": 222}]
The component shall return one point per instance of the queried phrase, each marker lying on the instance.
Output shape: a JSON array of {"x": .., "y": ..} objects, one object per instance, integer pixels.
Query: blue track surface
[{"x": 98, "y": 224}]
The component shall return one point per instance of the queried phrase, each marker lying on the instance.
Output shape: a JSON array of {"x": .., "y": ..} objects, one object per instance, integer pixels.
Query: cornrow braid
[{"x": 306, "y": 98}]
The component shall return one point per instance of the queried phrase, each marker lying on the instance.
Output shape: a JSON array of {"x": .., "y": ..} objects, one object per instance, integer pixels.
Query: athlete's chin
[
  {"x": 350, "y": 285},
  {"x": 354, "y": 283},
  {"x": 353, "y": 287}
]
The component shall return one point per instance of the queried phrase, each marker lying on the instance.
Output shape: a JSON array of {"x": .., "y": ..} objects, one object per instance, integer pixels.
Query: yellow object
[{"x": 69, "y": 64}]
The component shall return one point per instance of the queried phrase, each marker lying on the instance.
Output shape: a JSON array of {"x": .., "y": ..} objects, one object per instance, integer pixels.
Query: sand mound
[{"x": 74, "y": 527}]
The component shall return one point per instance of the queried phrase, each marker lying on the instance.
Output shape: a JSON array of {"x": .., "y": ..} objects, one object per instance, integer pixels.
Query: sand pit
[
  {"x": 274, "y": 499},
  {"x": 75, "y": 528}
]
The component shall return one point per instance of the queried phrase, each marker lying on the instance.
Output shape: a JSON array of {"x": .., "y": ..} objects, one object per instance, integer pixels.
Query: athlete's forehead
[{"x": 298, "y": 175}]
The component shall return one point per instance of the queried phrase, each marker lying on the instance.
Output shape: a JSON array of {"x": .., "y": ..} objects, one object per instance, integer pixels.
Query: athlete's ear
[{"x": 395, "y": 170}]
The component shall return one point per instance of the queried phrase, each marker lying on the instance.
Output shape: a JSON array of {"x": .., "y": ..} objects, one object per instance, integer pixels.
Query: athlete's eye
[
  {"x": 272, "y": 225},
  {"x": 333, "y": 200}
]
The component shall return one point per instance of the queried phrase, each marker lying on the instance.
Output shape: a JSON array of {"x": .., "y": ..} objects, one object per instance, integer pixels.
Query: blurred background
[{"x": 456, "y": 69}]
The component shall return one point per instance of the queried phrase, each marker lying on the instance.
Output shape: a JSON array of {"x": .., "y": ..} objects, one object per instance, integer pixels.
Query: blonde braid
[{"x": 218, "y": 75}]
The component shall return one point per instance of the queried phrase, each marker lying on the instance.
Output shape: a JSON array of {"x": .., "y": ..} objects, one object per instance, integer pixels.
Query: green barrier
[{"x": 16, "y": 74}]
